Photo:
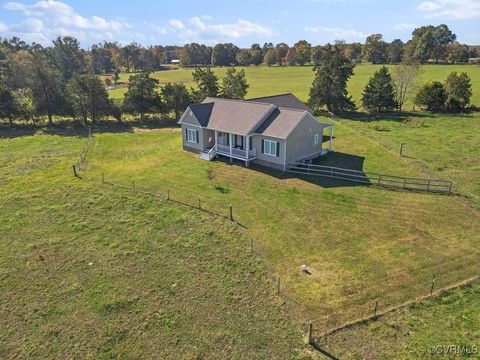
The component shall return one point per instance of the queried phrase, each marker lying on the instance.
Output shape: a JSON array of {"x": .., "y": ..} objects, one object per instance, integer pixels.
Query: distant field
[
  {"x": 273, "y": 80},
  {"x": 410, "y": 333},
  {"x": 361, "y": 243},
  {"x": 91, "y": 272}
]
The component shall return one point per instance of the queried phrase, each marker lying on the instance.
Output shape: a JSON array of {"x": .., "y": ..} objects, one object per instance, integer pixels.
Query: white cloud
[
  {"x": 235, "y": 30},
  {"x": 404, "y": 26},
  {"x": 450, "y": 9},
  {"x": 62, "y": 14},
  {"x": 3, "y": 27},
  {"x": 337, "y": 32},
  {"x": 176, "y": 24}
]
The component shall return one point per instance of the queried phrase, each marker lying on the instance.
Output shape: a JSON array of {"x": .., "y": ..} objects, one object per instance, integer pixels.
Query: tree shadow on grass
[
  {"x": 78, "y": 128},
  {"x": 393, "y": 116},
  {"x": 335, "y": 159}
]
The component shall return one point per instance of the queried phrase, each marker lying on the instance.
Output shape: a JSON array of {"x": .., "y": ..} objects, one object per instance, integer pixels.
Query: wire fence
[{"x": 362, "y": 299}]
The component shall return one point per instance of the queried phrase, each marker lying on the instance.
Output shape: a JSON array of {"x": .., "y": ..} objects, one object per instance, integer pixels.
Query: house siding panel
[
  {"x": 301, "y": 142},
  {"x": 196, "y": 147},
  {"x": 267, "y": 160}
]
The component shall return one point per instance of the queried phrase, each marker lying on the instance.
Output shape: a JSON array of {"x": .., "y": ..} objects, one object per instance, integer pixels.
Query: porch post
[
  {"x": 330, "y": 147},
  {"x": 216, "y": 138},
  {"x": 230, "y": 142},
  {"x": 247, "y": 149}
]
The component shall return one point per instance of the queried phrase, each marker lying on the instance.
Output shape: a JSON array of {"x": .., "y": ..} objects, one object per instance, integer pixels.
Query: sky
[{"x": 242, "y": 22}]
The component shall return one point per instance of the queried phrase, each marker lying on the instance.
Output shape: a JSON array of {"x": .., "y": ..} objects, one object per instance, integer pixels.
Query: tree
[
  {"x": 281, "y": 49},
  {"x": 68, "y": 56},
  {"x": 270, "y": 57},
  {"x": 141, "y": 96},
  {"x": 302, "y": 52},
  {"x": 329, "y": 86},
  {"x": 256, "y": 54},
  {"x": 432, "y": 96},
  {"x": 375, "y": 49},
  {"x": 457, "y": 53},
  {"x": 430, "y": 42},
  {"x": 8, "y": 105},
  {"x": 224, "y": 54},
  {"x": 44, "y": 80},
  {"x": 88, "y": 97},
  {"x": 176, "y": 98},
  {"x": 395, "y": 51},
  {"x": 185, "y": 58},
  {"x": 234, "y": 84},
  {"x": 379, "y": 93},
  {"x": 459, "y": 91},
  {"x": 404, "y": 77},
  {"x": 290, "y": 57},
  {"x": 243, "y": 57},
  {"x": 207, "y": 83},
  {"x": 101, "y": 59}
]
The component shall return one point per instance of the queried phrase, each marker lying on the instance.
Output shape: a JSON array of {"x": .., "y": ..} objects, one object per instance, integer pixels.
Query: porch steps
[{"x": 204, "y": 156}]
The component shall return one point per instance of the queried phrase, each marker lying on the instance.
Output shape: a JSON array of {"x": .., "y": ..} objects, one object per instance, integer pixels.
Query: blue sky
[{"x": 241, "y": 22}]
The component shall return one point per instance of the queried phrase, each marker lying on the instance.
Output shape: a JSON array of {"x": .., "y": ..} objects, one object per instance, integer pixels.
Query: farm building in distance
[{"x": 273, "y": 131}]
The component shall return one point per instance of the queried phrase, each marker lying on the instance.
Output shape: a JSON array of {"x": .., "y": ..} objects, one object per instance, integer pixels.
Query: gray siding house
[{"x": 272, "y": 131}]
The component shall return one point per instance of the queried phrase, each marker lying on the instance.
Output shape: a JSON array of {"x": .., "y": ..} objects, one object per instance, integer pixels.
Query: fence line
[
  {"x": 83, "y": 154},
  {"x": 282, "y": 288},
  {"x": 370, "y": 178}
]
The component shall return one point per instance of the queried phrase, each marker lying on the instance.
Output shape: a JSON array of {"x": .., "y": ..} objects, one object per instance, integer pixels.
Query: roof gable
[
  {"x": 202, "y": 112},
  {"x": 236, "y": 116}
]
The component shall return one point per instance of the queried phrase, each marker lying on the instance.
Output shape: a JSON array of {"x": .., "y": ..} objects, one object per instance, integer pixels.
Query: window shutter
[
  {"x": 186, "y": 134},
  {"x": 263, "y": 146},
  {"x": 196, "y": 136},
  {"x": 250, "y": 144},
  {"x": 278, "y": 149}
]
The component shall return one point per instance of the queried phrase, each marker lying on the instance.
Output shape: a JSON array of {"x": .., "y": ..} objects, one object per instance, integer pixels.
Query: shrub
[{"x": 432, "y": 96}]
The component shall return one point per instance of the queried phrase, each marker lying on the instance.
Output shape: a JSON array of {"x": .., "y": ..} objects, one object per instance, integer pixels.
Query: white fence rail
[{"x": 369, "y": 178}]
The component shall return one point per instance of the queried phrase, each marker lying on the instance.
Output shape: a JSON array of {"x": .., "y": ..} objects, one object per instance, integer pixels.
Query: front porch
[{"x": 231, "y": 145}]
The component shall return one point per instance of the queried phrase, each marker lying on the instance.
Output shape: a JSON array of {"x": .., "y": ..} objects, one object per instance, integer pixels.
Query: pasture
[
  {"x": 361, "y": 243},
  {"x": 92, "y": 272},
  {"x": 265, "y": 81}
]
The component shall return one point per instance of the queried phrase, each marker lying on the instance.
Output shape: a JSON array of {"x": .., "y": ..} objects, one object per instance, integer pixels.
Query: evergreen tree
[
  {"x": 234, "y": 84},
  {"x": 432, "y": 96},
  {"x": 329, "y": 86},
  {"x": 459, "y": 90},
  {"x": 379, "y": 93}
]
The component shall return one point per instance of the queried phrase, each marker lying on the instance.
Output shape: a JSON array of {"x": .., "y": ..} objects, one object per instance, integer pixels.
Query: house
[{"x": 273, "y": 131}]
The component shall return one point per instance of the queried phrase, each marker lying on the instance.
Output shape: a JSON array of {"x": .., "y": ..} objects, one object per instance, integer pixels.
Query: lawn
[
  {"x": 274, "y": 80},
  {"x": 446, "y": 146},
  {"x": 361, "y": 243},
  {"x": 90, "y": 271},
  {"x": 411, "y": 333}
]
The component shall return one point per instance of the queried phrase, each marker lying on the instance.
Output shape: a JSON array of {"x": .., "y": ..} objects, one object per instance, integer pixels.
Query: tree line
[
  {"x": 384, "y": 91},
  {"x": 60, "y": 81}
]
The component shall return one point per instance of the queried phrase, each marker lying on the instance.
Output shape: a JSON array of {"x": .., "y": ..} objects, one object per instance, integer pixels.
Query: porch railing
[{"x": 239, "y": 153}]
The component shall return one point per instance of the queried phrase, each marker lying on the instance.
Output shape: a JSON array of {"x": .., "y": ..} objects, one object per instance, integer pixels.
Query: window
[
  {"x": 270, "y": 147},
  {"x": 317, "y": 138},
  {"x": 192, "y": 136}
]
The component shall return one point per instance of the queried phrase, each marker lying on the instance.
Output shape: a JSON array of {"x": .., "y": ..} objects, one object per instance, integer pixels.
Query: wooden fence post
[
  {"x": 103, "y": 178},
  {"x": 74, "y": 171},
  {"x": 251, "y": 245},
  {"x": 200, "y": 204},
  {"x": 168, "y": 194},
  {"x": 310, "y": 332},
  {"x": 401, "y": 149},
  {"x": 375, "y": 310},
  {"x": 231, "y": 213},
  {"x": 278, "y": 285},
  {"x": 433, "y": 286},
  {"x": 133, "y": 184},
  {"x": 428, "y": 185}
]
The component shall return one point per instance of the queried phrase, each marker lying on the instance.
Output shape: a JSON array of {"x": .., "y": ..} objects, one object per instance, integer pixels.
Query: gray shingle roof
[
  {"x": 236, "y": 116},
  {"x": 288, "y": 100},
  {"x": 281, "y": 122}
]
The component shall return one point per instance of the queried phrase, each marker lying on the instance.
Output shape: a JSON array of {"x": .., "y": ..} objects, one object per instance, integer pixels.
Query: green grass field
[
  {"x": 445, "y": 146},
  {"x": 274, "y": 80},
  {"x": 361, "y": 243},
  {"x": 412, "y": 333},
  {"x": 92, "y": 272}
]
